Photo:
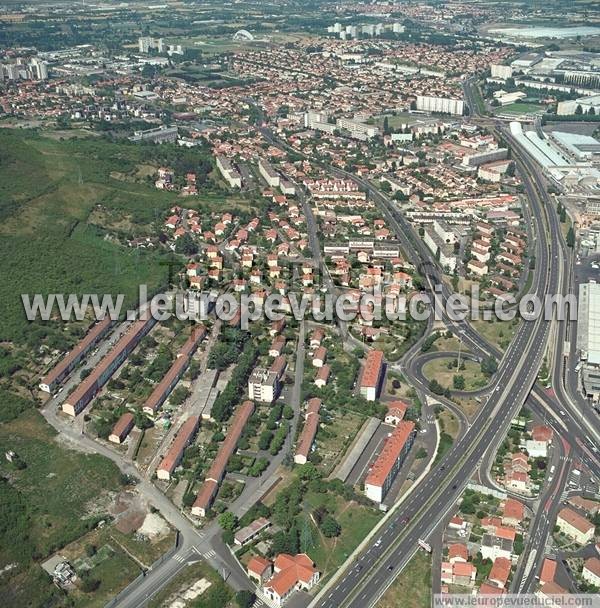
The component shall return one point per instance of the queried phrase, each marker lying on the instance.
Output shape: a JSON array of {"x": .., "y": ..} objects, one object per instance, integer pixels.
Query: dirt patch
[
  {"x": 154, "y": 526},
  {"x": 129, "y": 511}
]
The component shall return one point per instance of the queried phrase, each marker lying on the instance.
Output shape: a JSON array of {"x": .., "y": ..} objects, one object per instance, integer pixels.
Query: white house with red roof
[{"x": 290, "y": 573}]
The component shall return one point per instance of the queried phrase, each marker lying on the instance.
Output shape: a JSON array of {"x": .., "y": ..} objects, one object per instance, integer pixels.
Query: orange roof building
[
  {"x": 458, "y": 552},
  {"x": 489, "y": 589},
  {"x": 292, "y": 572},
  {"x": 383, "y": 472},
  {"x": 576, "y": 526},
  {"x": 372, "y": 375},
  {"x": 513, "y": 513},
  {"x": 122, "y": 428},
  {"x": 500, "y": 572},
  {"x": 259, "y": 568},
  {"x": 322, "y": 376},
  {"x": 163, "y": 389},
  {"x": 548, "y": 571},
  {"x": 309, "y": 431},
  {"x": 182, "y": 440},
  {"x": 58, "y": 373},
  {"x": 79, "y": 399},
  {"x": 217, "y": 470}
]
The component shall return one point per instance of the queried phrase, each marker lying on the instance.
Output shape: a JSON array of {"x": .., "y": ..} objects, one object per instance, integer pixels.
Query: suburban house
[{"x": 291, "y": 573}]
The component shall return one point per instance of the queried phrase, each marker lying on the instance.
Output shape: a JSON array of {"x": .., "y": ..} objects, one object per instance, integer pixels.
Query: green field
[
  {"x": 356, "y": 522},
  {"x": 521, "y": 108},
  {"x": 438, "y": 369},
  {"x": 59, "y": 496},
  {"x": 48, "y": 190}
]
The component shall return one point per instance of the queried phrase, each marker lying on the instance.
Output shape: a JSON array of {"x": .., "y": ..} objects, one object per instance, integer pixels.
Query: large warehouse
[{"x": 588, "y": 337}]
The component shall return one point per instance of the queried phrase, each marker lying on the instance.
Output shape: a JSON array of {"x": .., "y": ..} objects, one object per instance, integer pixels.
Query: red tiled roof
[
  {"x": 548, "y": 571},
  {"x": 323, "y": 373},
  {"x": 372, "y": 370},
  {"x": 458, "y": 550},
  {"x": 463, "y": 569},
  {"x": 513, "y": 509},
  {"x": 164, "y": 387},
  {"x": 182, "y": 440},
  {"x": 291, "y": 569},
  {"x": 279, "y": 364},
  {"x": 500, "y": 571},
  {"x": 507, "y": 533},
  {"x": 593, "y": 565},
  {"x": 123, "y": 425},
  {"x": 207, "y": 493},
  {"x": 100, "y": 373},
  {"x": 553, "y": 588},
  {"x": 67, "y": 362},
  {"x": 258, "y": 565},
  {"x": 311, "y": 425},
  {"x": 228, "y": 447},
  {"x": 320, "y": 353},
  {"x": 541, "y": 433},
  {"x": 389, "y": 454},
  {"x": 488, "y": 589},
  {"x": 577, "y": 521}
]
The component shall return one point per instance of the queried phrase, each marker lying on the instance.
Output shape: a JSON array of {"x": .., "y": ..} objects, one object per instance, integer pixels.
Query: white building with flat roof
[{"x": 443, "y": 105}]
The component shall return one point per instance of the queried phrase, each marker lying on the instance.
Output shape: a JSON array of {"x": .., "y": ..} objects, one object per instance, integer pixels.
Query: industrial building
[
  {"x": 217, "y": 471},
  {"x": 501, "y": 71},
  {"x": 88, "y": 389},
  {"x": 58, "y": 373},
  {"x": 163, "y": 389},
  {"x": 588, "y": 337},
  {"x": 488, "y": 156},
  {"x": 183, "y": 438}
]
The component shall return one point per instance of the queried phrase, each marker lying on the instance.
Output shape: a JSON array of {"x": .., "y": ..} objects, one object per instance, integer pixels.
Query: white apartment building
[
  {"x": 356, "y": 128},
  {"x": 501, "y": 71},
  {"x": 230, "y": 174},
  {"x": 263, "y": 385},
  {"x": 269, "y": 174},
  {"x": 443, "y": 105},
  {"x": 591, "y": 571},
  {"x": 481, "y": 158}
]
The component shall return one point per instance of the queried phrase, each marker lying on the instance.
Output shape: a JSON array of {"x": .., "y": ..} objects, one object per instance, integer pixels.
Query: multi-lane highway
[{"x": 367, "y": 578}]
